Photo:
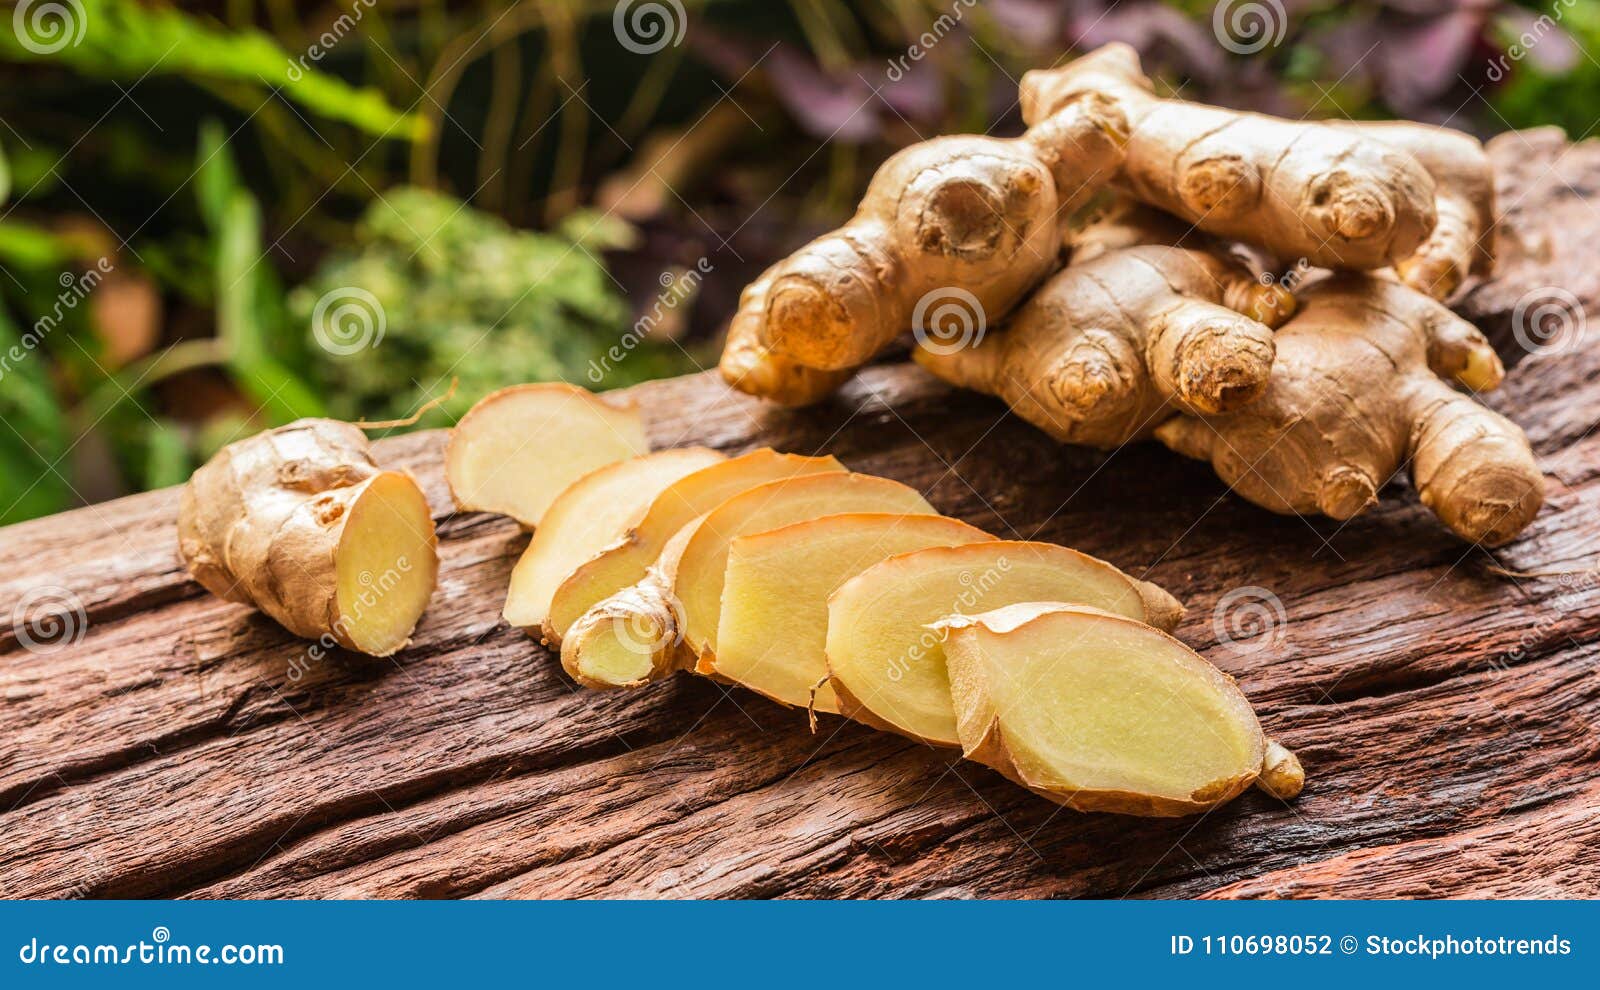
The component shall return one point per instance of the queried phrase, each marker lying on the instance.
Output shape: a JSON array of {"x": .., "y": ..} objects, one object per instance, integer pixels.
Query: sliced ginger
[
  {"x": 669, "y": 619},
  {"x": 1100, "y": 712},
  {"x": 590, "y": 515},
  {"x": 518, "y": 448},
  {"x": 626, "y": 562},
  {"x": 888, "y": 667},
  {"x": 774, "y": 615},
  {"x": 300, "y": 522}
]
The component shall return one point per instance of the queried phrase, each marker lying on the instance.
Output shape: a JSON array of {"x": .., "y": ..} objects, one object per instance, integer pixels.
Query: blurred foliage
[{"x": 205, "y": 204}]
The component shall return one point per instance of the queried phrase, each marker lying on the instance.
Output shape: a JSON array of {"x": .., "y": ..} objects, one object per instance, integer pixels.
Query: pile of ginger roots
[{"x": 1167, "y": 320}]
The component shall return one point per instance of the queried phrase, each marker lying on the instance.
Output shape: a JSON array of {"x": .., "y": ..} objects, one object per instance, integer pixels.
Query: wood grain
[{"x": 1445, "y": 713}]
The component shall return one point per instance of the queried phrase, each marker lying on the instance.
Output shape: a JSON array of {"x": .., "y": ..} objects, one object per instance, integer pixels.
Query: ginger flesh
[
  {"x": 301, "y": 523},
  {"x": 1100, "y": 712},
  {"x": 888, "y": 668},
  {"x": 1302, "y": 189},
  {"x": 626, "y": 562},
  {"x": 518, "y": 448},
  {"x": 671, "y": 615},
  {"x": 589, "y": 515},
  {"x": 1357, "y": 393},
  {"x": 774, "y": 615},
  {"x": 1107, "y": 349}
]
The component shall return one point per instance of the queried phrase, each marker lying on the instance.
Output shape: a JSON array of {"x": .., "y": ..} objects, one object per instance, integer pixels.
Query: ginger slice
[
  {"x": 888, "y": 667},
  {"x": 1100, "y": 712},
  {"x": 591, "y": 514},
  {"x": 774, "y": 615},
  {"x": 668, "y": 619},
  {"x": 518, "y": 448},
  {"x": 299, "y": 522},
  {"x": 626, "y": 562}
]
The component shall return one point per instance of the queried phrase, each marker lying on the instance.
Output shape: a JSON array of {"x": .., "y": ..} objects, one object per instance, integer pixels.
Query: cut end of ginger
[
  {"x": 774, "y": 615},
  {"x": 1099, "y": 712},
  {"x": 590, "y": 515},
  {"x": 888, "y": 666},
  {"x": 386, "y": 566},
  {"x": 516, "y": 450}
]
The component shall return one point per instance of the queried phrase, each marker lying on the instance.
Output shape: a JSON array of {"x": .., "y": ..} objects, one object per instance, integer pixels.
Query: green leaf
[{"x": 124, "y": 39}]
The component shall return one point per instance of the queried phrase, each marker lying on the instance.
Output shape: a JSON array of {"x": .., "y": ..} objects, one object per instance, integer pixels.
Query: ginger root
[
  {"x": 1100, "y": 712},
  {"x": 1308, "y": 190},
  {"x": 887, "y": 668},
  {"x": 979, "y": 214},
  {"x": 301, "y": 523},
  {"x": 1106, "y": 349},
  {"x": 1355, "y": 395},
  {"x": 517, "y": 449}
]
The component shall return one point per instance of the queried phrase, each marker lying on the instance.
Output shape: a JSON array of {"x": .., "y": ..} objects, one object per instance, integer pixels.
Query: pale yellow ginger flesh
[
  {"x": 774, "y": 615},
  {"x": 625, "y": 562},
  {"x": 1357, "y": 393},
  {"x": 1331, "y": 195},
  {"x": 1100, "y": 712},
  {"x": 888, "y": 666},
  {"x": 301, "y": 523},
  {"x": 969, "y": 217},
  {"x": 671, "y": 614},
  {"x": 518, "y": 448},
  {"x": 1105, "y": 350},
  {"x": 590, "y": 515}
]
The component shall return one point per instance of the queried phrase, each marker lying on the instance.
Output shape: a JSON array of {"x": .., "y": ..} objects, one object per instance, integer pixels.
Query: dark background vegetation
[{"x": 510, "y": 191}]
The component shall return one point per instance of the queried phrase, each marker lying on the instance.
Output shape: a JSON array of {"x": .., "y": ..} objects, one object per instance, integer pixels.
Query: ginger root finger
[
  {"x": 1105, "y": 350},
  {"x": 671, "y": 615},
  {"x": 1355, "y": 394},
  {"x": 980, "y": 215},
  {"x": 1100, "y": 712},
  {"x": 887, "y": 668},
  {"x": 1301, "y": 189},
  {"x": 749, "y": 366},
  {"x": 301, "y": 523},
  {"x": 518, "y": 448},
  {"x": 590, "y": 515}
]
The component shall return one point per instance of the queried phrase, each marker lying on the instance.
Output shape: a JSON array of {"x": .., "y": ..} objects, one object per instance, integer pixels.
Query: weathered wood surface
[{"x": 1446, "y": 715}]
